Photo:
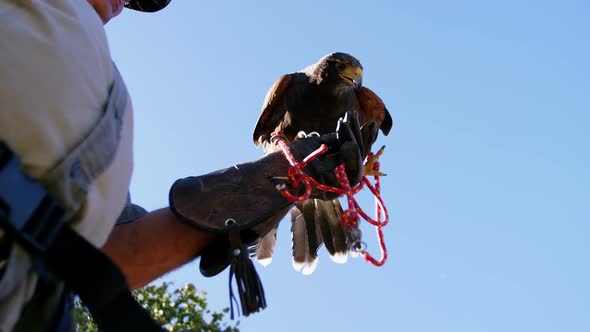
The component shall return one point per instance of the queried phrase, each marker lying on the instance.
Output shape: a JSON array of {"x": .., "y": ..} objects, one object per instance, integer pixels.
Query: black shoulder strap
[{"x": 35, "y": 220}]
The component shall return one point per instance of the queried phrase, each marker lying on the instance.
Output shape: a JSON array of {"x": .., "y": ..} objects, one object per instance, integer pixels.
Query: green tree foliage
[{"x": 183, "y": 309}]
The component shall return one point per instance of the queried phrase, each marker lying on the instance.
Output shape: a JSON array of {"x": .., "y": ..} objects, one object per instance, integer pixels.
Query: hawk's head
[{"x": 340, "y": 69}]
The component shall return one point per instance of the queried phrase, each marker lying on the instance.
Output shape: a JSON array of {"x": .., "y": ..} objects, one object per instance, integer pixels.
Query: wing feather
[
  {"x": 373, "y": 108},
  {"x": 272, "y": 113}
]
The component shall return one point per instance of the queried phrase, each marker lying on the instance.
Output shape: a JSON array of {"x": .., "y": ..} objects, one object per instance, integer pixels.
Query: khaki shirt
[{"x": 55, "y": 71}]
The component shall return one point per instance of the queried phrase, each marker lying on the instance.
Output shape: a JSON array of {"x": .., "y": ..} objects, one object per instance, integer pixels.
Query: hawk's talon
[{"x": 369, "y": 167}]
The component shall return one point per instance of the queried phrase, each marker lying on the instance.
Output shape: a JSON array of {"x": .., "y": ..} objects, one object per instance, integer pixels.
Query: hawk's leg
[{"x": 368, "y": 168}]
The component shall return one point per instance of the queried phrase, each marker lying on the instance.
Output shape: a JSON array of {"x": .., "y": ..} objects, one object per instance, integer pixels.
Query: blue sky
[{"x": 487, "y": 163}]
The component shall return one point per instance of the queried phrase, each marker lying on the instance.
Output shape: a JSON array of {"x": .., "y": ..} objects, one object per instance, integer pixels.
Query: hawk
[{"x": 312, "y": 100}]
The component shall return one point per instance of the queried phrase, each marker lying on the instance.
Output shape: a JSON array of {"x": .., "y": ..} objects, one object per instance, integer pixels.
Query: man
[{"x": 55, "y": 76}]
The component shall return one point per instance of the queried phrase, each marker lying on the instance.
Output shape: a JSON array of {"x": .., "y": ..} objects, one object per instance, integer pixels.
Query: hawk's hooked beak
[
  {"x": 358, "y": 79},
  {"x": 354, "y": 75}
]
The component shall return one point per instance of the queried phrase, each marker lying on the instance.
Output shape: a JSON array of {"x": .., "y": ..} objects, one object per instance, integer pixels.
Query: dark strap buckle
[{"x": 28, "y": 213}]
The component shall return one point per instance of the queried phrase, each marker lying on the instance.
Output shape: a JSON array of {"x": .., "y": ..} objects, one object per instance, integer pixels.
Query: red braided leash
[{"x": 350, "y": 217}]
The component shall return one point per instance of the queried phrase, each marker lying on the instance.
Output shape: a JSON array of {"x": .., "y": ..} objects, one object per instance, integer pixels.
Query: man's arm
[
  {"x": 246, "y": 194},
  {"x": 154, "y": 245}
]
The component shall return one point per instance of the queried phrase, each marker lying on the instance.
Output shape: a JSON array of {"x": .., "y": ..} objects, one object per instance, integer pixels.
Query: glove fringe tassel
[{"x": 248, "y": 282}]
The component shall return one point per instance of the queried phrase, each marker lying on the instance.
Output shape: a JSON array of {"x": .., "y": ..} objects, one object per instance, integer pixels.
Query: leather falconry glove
[{"x": 243, "y": 203}]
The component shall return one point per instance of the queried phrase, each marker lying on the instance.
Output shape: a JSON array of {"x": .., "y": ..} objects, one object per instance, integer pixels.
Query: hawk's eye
[{"x": 340, "y": 66}]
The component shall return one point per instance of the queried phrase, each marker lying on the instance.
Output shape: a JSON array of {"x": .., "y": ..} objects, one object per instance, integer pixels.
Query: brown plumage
[{"x": 313, "y": 100}]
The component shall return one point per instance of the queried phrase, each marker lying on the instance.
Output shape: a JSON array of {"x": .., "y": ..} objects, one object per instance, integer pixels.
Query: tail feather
[
  {"x": 266, "y": 247},
  {"x": 298, "y": 239},
  {"x": 315, "y": 222},
  {"x": 263, "y": 248},
  {"x": 314, "y": 237},
  {"x": 329, "y": 215},
  {"x": 306, "y": 239}
]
